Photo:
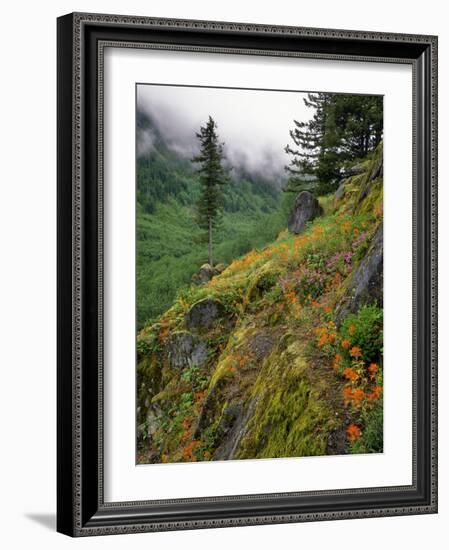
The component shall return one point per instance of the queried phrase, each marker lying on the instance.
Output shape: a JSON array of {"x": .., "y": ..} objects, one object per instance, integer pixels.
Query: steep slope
[{"x": 279, "y": 355}]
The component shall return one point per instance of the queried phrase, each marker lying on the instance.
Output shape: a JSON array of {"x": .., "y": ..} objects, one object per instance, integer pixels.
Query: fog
[{"x": 253, "y": 124}]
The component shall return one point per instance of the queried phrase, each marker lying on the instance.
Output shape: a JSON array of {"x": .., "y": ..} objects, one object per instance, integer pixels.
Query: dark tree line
[{"x": 343, "y": 128}]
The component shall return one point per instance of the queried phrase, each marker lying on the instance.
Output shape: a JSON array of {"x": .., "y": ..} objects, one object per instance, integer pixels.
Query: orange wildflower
[
  {"x": 352, "y": 328},
  {"x": 358, "y": 396},
  {"x": 337, "y": 360},
  {"x": 375, "y": 394},
  {"x": 187, "y": 452},
  {"x": 187, "y": 422},
  {"x": 353, "y": 432},
  {"x": 346, "y": 344},
  {"x": 353, "y": 396},
  {"x": 290, "y": 297},
  {"x": 199, "y": 396},
  {"x": 348, "y": 393},
  {"x": 355, "y": 351},
  {"x": 372, "y": 369},
  {"x": 350, "y": 374}
]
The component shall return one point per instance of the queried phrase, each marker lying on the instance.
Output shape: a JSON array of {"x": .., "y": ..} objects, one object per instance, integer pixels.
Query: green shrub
[
  {"x": 365, "y": 330},
  {"x": 371, "y": 440}
]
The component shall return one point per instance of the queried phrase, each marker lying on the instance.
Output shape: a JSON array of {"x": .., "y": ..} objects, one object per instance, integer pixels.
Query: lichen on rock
[{"x": 184, "y": 349}]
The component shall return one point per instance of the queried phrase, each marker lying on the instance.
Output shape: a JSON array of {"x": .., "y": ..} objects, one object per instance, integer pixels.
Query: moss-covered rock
[
  {"x": 290, "y": 418},
  {"x": 203, "y": 314}
]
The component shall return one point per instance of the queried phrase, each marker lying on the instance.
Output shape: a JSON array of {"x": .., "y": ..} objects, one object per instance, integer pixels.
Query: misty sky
[{"x": 254, "y": 124}]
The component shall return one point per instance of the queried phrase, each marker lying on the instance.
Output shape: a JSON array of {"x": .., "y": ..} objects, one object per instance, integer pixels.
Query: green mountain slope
[
  {"x": 169, "y": 250},
  {"x": 281, "y": 354}
]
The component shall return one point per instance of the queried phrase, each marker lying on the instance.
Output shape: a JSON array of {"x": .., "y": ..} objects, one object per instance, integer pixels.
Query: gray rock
[
  {"x": 185, "y": 350},
  {"x": 306, "y": 208},
  {"x": 261, "y": 344},
  {"x": 203, "y": 314},
  {"x": 205, "y": 274},
  {"x": 355, "y": 170},
  {"x": 366, "y": 285},
  {"x": 339, "y": 193},
  {"x": 236, "y": 426}
]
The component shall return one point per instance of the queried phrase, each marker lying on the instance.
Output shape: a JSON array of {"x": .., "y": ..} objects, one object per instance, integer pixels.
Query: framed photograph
[{"x": 247, "y": 279}]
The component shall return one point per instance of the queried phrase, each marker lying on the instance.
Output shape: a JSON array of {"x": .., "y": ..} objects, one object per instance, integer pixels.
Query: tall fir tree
[
  {"x": 213, "y": 176},
  {"x": 342, "y": 129}
]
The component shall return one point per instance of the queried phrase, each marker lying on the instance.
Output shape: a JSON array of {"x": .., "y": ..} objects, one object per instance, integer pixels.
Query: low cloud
[
  {"x": 253, "y": 124},
  {"x": 145, "y": 141}
]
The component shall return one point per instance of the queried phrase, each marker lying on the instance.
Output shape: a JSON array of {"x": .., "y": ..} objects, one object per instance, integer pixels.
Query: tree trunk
[{"x": 210, "y": 243}]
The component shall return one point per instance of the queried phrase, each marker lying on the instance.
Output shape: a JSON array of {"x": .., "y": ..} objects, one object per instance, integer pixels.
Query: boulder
[
  {"x": 366, "y": 284},
  {"x": 184, "y": 350},
  {"x": 355, "y": 170},
  {"x": 204, "y": 275},
  {"x": 305, "y": 209},
  {"x": 219, "y": 268},
  {"x": 203, "y": 314}
]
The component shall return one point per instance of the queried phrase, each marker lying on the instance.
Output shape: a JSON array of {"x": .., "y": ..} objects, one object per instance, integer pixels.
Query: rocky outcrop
[
  {"x": 184, "y": 350},
  {"x": 203, "y": 314},
  {"x": 366, "y": 284},
  {"x": 232, "y": 427},
  {"x": 206, "y": 273},
  {"x": 305, "y": 209},
  {"x": 340, "y": 192},
  {"x": 371, "y": 184}
]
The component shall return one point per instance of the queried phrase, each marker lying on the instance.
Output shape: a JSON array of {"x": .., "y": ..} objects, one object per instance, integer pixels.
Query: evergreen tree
[
  {"x": 343, "y": 128},
  {"x": 213, "y": 177}
]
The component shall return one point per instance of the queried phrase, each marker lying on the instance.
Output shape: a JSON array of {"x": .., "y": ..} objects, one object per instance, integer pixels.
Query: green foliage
[
  {"x": 371, "y": 440},
  {"x": 195, "y": 378},
  {"x": 364, "y": 329},
  {"x": 343, "y": 128}
]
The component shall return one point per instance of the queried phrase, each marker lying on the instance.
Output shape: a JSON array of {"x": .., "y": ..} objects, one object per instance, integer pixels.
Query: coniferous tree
[
  {"x": 343, "y": 128},
  {"x": 213, "y": 177}
]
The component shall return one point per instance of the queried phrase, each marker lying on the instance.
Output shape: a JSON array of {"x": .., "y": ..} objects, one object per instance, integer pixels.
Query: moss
[
  {"x": 374, "y": 197},
  {"x": 290, "y": 418},
  {"x": 228, "y": 361},
  {"x": 263, "y": 280}
]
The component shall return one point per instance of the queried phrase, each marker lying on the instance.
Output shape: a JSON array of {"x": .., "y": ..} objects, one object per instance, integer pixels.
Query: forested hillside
[{"x": 169, "y": 247}]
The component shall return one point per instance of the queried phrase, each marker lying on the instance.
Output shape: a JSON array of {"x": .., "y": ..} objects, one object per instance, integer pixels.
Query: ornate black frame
[{"x": 81, "y": 509}]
